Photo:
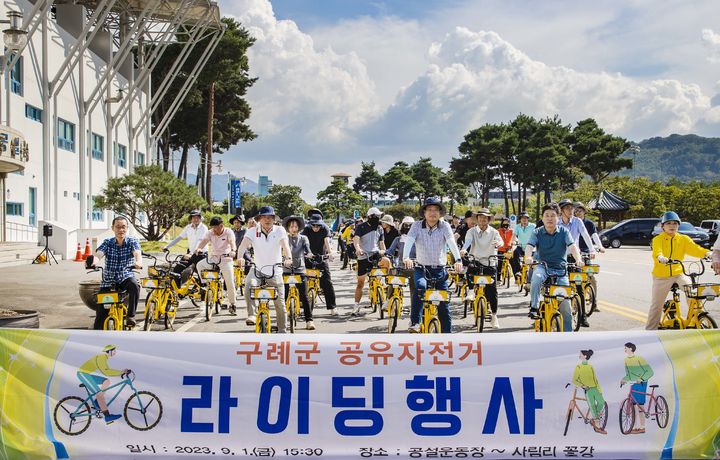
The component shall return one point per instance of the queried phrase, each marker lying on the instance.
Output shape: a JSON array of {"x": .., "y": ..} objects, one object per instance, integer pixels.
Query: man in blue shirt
[
  {"x": 522, "y": 233},
  {"x": 122, "y": 254},
  {"x": 551, "y": 244}
]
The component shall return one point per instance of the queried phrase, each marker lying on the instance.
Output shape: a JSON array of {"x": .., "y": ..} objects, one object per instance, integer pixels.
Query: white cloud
[{"x": 712, "y": 41}]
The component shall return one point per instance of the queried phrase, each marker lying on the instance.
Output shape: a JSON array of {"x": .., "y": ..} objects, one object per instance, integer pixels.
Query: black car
[
  {"x": 711, "y": 226},
  {"x": 629, "y": 231},
  {"x": 700, "y": 237}
]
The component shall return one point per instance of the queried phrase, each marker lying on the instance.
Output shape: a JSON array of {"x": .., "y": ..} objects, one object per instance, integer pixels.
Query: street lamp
[{"x": 15, "y": 37}]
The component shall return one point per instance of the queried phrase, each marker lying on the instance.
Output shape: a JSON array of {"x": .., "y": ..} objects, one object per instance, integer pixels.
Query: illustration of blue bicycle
[{"x": 143, "y": 410}]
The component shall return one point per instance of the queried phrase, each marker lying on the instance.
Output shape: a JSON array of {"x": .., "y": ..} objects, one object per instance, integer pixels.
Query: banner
[
  {"x": 105, "y": 395},
  {"x": 235, "y": 195}
]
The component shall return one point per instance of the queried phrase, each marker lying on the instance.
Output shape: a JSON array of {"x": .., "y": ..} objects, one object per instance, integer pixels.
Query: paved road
[{"x": 624, "y": 285}]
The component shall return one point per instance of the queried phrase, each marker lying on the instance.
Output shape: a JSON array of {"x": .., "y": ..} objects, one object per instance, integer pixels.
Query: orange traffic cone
[
  {"x": 87, "y": 249},
  {"x": 78, "y": 254}
]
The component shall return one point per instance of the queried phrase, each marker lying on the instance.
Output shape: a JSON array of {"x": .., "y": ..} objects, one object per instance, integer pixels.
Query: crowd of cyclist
[{"x": 431, "y": 247}]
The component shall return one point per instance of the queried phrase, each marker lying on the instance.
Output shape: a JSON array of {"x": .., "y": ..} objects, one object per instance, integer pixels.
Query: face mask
[
  {"x": 505, "y": 225},
  {"x": 374, "y": 220},
  {"x": 404, "y": 229}
]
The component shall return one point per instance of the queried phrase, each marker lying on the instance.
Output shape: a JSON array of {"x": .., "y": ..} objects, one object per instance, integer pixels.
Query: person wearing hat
[
  {"x": 194, "y": 232},
  {"x": 389, "y": 230},
  {"x": 575, "y": 226},
  {"x": 237, "y": 223},
  {"x": 523, "y": 230},
  {"x": 369, "y": 246},
  {"x": 430, "y": 236},
  {"x": 300, "y": 248},
  {"x": 319, "y": 236},
  {"x": 482, "y": 242},
  {"x": 222, "y": 241},
  {"x": 581, "y": 213},
  {"x": 462, "y": 229},
  {"x": 584, "y": 377},
  {"x": 669, "y": 245},
  {"x": 270, "y": 248},
  {"x": 94, "y": 375}
]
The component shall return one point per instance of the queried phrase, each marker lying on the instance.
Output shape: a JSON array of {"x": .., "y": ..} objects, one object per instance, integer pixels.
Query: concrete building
[
  {"x": 342, "y": 177},
  {"x": 264, "y": 184},
  {"x": 76, "y": 104}
]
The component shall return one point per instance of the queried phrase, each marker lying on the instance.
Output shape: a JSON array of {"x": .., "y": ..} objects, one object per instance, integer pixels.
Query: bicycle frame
[
  {"x": 89, "y": 399},
  {"x": 549, "y": 308},
  {"x": 697, "y": 295},
  {"x": 263, "y": 294},
  {"x": 433, "y": 298}
]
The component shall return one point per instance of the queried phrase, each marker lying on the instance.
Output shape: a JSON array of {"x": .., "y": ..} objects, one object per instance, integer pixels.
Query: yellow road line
[
  {"x": 621, "y": 307},
  {"x": 622, "y": 312}
]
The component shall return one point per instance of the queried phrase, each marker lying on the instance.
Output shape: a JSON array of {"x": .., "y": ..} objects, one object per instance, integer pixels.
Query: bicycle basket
[
  {"x": 108, "y": 297},
  {"x": 292, "y": 279},
  {"x": 559, "y": 292},
  {"x": 151, "y": 283},
  {"x": 397, "y": 280},
  {"x": 378, "y": 272},
  {"x": 591, "y": 269},
  {"x": 483, "y": 280},
  {"x": 211, "y": 274},
  {"x": 577, "y": 277},
  {"x": 707, "y": 291},
  {"x": 312, "y": 273},
  {"x": 432, "y": 295},
  {"x": 264, "y": 293}
]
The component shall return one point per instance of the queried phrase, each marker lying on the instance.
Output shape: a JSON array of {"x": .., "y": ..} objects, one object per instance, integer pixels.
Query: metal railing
[{"x": 21, "y": 232}]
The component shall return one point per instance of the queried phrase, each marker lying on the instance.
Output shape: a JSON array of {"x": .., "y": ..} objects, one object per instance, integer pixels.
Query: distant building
[
  {"x": 342, "y": 177},
  {"x": 264, "y": 185}
]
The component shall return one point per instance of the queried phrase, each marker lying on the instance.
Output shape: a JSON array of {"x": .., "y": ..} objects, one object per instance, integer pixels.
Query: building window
[
  {"x": 139, "y": 158},
  {"x": 66, "y": 135},
  {"x": 14, "y": 209},
  {"x": 98, "y": 215},
  {"x": 121, "y": 154},
  {"x": 16, "y": 77},
  {"x": 33, "y": 113},
  {"x": 98, "y": 147}
]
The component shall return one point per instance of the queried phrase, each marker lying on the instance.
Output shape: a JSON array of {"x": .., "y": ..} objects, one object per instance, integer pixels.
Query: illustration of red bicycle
[{"x": 657, "y": 408}]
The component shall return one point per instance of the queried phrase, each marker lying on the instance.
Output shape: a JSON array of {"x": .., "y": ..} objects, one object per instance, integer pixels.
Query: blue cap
[
  {"x": 266, "y": 211},
  {"x": 669, "y": 217}
]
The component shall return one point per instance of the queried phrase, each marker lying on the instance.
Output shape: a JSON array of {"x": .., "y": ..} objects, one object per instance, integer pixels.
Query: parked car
[
  {"x": 711, "y": 226},
  {"x": 629, "y": 231},
  {"x": 701, "y": 237}
]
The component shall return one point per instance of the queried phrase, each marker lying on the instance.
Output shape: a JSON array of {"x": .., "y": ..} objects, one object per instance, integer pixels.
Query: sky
[{"x": 346, "y": 81}]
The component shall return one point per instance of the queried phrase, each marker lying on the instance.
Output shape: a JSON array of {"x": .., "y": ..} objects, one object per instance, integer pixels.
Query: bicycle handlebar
[{"x": 682, "y": 265}]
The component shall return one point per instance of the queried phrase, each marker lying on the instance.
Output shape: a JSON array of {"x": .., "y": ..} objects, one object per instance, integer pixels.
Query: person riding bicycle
[
  {"x": 669, "y": 245},
  {"x": 345, "y": 241},
  {"x": 585, "y": 378},
  {"x": 522, "y": 234},
  {"x": 194, "y": 232},
  {"x": 300, "y": 248},
  {"x": 508, "y": 238},
  {"x": 369, "y": 245},
  {"x": 389, "y": 231},
  {"x": 482, "y": 242},
  {"x": 462, "y": 229},
  {"x": 430, "y": 236},
  {"x": 122, "y": 254},
  {"x": 574, "y": 225},
  {"x": 395, "y": 250},
  {"x": 551, "y": 244},
  {"x": 270, "y": 247},
  {"x": 581, "y": 213},
  {"x": 318, "y": 234},
  {"x": 222, "y": 254},
  {"x": 96, "y": 384},
  {"x": 637, "y": 372}
]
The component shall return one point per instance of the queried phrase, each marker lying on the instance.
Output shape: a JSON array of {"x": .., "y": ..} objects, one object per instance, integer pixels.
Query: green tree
[
  {"x": 480, "y": 160},
  {"x": 286, "y": 200},
  {"x": 148, "y": 190},
  {"x": 369, "y": 182},
  {"x": 338, "y": 197},
  {"x": 428, "y": 176},
  {"x": 596, "y": 153},
  {"x": 453, "y": 189},
  {"x": 399, "y": 181}
]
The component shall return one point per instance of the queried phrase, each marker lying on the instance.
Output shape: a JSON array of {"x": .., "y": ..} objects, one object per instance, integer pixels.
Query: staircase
[{"x": 19, "y": 253}]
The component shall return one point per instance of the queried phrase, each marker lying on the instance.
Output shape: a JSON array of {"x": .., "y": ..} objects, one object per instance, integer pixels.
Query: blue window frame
[
  {"x": 66, "y": 135},
  {"x": 139, "y": 158},
  {"x": 16, "y": 77},
  {"x": 98, "y": 147},
  {"x": 14, "y": 209},
  {"x": 33, "y": 113},
  {"x": 121, "y": 154},
  {"x": 98, "y": 215}
]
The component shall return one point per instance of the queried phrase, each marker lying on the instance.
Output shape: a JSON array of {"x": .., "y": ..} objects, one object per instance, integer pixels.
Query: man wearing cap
[
  {"x": 580, "y": 213},
  {"x": 194, "y": 232},
  {"x": 237, "y": 223},
  {"x": 482, "y": 242},
  {"x": 389, "y": 230},
  {"x": 369, "y": 245},
  {"x": 222, "y": 254},
  {"x": 271, "y": 248},
  {"x": 430, "y": 236},
  {"x": 462, "y": 229},
  {"x": 319, "y": 236},
  {"x": 522, "y": 235}
]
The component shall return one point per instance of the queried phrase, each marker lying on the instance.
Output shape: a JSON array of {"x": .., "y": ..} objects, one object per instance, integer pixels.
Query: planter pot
[
  {"x": 88, "y": 293},
  {"x": 25, "y": 319}
]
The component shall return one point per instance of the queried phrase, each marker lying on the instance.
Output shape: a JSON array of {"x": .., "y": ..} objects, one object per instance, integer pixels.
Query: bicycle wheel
[
  {"x": 170, "y": 315},
  {"x": 143, "y": 411},
  {"x": 151, "y": 304},
  {"x": 556, "y": 323},
  {"x": 110, "y": 323},
  {"x": 567, "y": 421},
  {"x": 507, "y": 277},
  {"x": 603, "y": 416},
  {"x": 480, "y": 313},
  {"x": 576, "y": 311},
  {"x": 292, "y": 316},
  {"x": 209, "y": 303},
  {"x": 627, "y": 416},
  {"x": 312, "y": 295},
  {"x": 262, "y": 323},
  {"x": 393, "y": 314},
  {"x": 379, "y": 297},
  {"x": 590, "y": 300},
  {"x": 72, "y": 415},
  {"x": 705, "y": 321},
  {"x": 662, "y": 413},
  {"x": 434, "y": 326},
  {"x": 197, "y": 298}
]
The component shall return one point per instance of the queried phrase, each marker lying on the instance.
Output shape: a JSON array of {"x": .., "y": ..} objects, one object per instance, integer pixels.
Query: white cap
[
  {"x": 374, "y": 212},
  {"x": 408, "y": 220}
]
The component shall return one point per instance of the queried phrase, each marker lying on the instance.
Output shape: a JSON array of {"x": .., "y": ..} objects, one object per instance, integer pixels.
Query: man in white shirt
[
  {"x": 269, "y": 242},
  {"x": 194, "y": 232},
  {"x": 222, "y": 241}
]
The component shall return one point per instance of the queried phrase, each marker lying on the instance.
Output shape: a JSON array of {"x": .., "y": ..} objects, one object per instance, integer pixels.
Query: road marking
[
  {"x": 611, "y": 273},
  {"x": 199, "y": 317},
  {"x": 624, "y": 311},
  {"x": 622, "y": 307}
]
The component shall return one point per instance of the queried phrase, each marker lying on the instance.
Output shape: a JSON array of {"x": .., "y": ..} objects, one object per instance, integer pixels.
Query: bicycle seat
[
  {"x": 654, "y": 386},
  {"x": 675, "y": 286},
  {"x": 82, "y": 385}
]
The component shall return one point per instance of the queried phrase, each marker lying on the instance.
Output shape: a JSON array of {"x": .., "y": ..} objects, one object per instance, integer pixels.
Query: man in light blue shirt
[
  {"x": 574, "y": 225},
  {"x": 522, "y": 234}
]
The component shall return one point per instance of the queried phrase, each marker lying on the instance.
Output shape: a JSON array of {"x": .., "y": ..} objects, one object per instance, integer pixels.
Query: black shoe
[
  {"x": 533, "y": 314},
  {"x": 585, "y": 323},
  {"x": 129, "y": 322},
  {"x": 232, "y": 310}
]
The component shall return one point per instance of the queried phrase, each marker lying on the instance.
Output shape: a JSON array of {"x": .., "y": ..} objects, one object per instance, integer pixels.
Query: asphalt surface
[{"x": 624, "y": 296}]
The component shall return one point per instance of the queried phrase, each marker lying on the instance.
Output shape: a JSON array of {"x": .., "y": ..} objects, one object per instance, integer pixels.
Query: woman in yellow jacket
[{"x": 669, "y": 245}]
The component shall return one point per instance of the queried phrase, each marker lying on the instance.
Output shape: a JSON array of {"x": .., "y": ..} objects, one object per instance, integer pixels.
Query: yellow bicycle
[
  {"x": 376, "y": 289},
  {"x": 396, "y": 299},
  {"x": 313, "y": 278},
  {"x": 162, "y": 302},
  {"x": 698, "y": 294},
  {"x": 578, "y": 279},
  {"x": 477, "y": 298},
  {"x": 505, "y": 273},
  {"x": 433, "y": 297},
  {"x": 214, "y": 295},
  {"x": 292, "y": 303},
  {"x": 239, "y": 278},
  {"x": 549, "y": 318},
  {"x": 588, "y": 289},
  {"x": 522, "y": 279},
  {"x": 263, "y": 294}
]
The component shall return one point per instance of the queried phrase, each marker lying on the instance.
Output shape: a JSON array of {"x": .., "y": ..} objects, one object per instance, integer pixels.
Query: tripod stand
[{"x": 45, "y": 253}]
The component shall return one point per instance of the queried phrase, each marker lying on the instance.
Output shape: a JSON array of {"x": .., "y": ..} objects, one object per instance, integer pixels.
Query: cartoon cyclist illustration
[
  {"x": 89, "y": 375},
  {"x": 585, "y": 378}
]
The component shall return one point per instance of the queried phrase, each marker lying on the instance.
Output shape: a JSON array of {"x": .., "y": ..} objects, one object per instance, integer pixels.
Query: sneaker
[
  {"x": 414, "y": 329},
  {"x": 250, "y": 321},
  {"x": 224, "y": 307},
  {"x": 494, "y": 322},
  {"x": 111, "y": 418},
  {"x": 232, "y": 310},
  {"x": 129, "y": 322},
  {"x": 533, "y": 314},
  {"x": 334, "y": 312},
  {"x": 310, "y": 326},
  {"x": 356, "y": 310}
]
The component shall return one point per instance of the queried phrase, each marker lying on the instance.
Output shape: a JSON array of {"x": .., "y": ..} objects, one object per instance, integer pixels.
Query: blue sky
[{"x": 345, "y": 81}]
